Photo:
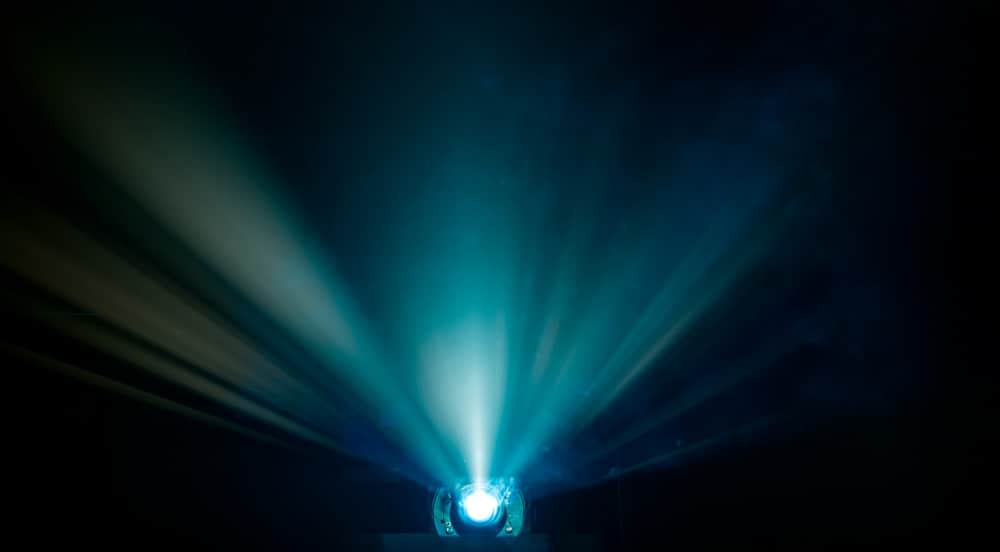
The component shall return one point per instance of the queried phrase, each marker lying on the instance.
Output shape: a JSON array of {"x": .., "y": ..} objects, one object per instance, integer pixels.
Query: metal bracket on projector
[
  {"x": 510, "y": 523},
  {"x": 515, "y": 507},
  {"x": 442, "y": 513}
]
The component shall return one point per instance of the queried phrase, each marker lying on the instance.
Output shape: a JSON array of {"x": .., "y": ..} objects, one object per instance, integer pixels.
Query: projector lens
[
  {"x": 480, "y": 506},
  {"x": 493, "y": 507}
]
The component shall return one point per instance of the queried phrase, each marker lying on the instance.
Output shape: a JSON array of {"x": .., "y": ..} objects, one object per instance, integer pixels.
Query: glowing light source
[
  {"x": 494, "y": 505},
  {"x": 480, "y": 506}
]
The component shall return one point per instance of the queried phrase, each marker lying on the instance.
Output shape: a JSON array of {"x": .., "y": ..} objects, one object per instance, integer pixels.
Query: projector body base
[{"x": 393, "y": 542}]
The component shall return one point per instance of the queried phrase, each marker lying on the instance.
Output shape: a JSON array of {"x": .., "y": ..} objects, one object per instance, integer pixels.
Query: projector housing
[{"x": 508, "y": 518}]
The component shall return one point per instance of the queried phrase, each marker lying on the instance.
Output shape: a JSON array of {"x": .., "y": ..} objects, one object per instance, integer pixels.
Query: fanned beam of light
[
  {"x": 613, "y": 345},
  {"x": 746, "y": 431},
  {"x": 697, "y": 395},
  {"x": 183, "y": 164},
  {"x": 92, "y": 379},
  {"x": 514, "y": 340},
  {"x": 157, "y": 328}
]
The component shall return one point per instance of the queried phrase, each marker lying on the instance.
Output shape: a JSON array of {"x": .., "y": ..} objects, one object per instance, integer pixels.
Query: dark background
[{"x": 898, "y": 454}]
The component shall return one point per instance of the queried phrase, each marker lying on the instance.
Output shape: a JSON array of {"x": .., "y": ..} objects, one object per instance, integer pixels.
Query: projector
[{"x": 496, "y": 506}]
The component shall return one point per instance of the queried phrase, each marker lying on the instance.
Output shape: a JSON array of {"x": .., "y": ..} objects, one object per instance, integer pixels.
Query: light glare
[{"x": 480, "y": 506}]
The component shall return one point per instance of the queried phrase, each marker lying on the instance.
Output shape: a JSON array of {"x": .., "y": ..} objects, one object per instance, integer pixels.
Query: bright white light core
[{"x": 480, "y": 506}]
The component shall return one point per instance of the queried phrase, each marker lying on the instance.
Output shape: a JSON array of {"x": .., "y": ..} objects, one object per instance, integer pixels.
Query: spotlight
[{"x": 495, "y": 506}]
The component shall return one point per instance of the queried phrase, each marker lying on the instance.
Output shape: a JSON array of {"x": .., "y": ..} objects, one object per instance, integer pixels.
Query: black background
[{"x": 93, "y": 468}]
